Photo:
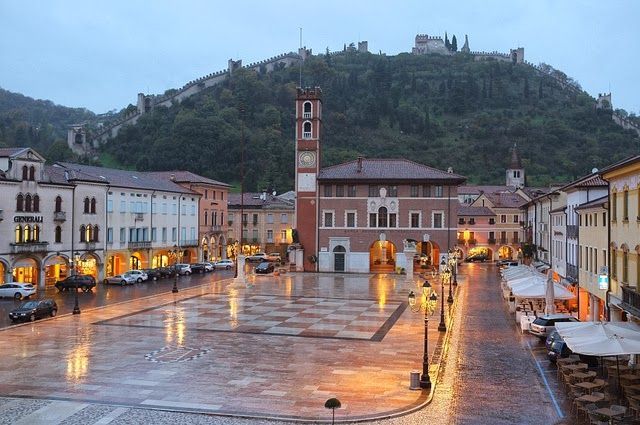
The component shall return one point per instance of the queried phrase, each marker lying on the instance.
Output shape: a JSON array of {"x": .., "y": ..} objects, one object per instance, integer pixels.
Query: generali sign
[{"x": 27, "y": 219}]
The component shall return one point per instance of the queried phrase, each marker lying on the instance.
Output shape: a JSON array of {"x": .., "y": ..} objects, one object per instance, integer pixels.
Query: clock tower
[{"x": 308, "y": 126}]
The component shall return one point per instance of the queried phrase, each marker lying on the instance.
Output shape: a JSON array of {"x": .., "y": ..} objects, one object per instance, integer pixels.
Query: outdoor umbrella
[
  {"x": 526, "y": 279},
  {"x": 549, "y": 304},
  {"x": 538, "y": 289}
]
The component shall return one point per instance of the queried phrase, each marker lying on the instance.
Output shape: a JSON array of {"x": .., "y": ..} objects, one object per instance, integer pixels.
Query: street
[{"x": 103, "y": 295}]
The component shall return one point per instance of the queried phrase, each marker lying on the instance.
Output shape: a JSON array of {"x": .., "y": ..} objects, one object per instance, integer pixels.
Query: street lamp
[
  {"x": 76, "y": 305},
  {"x": 428, "y": 305},
  {"x": 175, "y": 269},
  {"x": 449, "y": 271},
  {"x": 442, "y": 327},
  {"x": 456, "y": 257}
]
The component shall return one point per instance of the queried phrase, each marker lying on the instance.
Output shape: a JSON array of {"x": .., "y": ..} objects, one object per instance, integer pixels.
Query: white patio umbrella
[
  {"x": 526, "y": 279},
  {"x": 538, "y": 289},
  {"x": 513, "y": 271},
  {"x": 549, "y": 304}
]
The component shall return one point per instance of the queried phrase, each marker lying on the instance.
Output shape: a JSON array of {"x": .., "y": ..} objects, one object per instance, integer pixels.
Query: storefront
[
  {"x": 26, "y": 271},
  {"x": 55, "y": 268},
  {"x": 88, "y": 265}
]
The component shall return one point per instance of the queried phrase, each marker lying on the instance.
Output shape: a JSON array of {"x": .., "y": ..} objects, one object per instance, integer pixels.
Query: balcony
[
  {"x": 461, "y": 221},
  {"x": 29, "y": 247},
  {"x": 515, "y": 241},
  {"x": 472, "y": 221},
  {"x": 216, "y": 228},
  {"x": 472, "y": 241},
  {"x": 189, "y": 242},
  {"x": 491, "y": 241},
  {"x": 503, "y": 241},
  {"x": 631, "y": 300},
  {"x": 460, "y": 242},
  {"x": 89, "y": 246},
  {"x": 139, "y": 245},
  {"x": 492, "y": 221},
  {"x": 60, "y": 216},
  {"x": 138, "y": 216},
  {"x": 572, "y": 231}
]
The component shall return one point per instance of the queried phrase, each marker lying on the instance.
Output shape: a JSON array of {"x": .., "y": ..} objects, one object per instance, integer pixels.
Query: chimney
[
  {"x": 359, "y": 169},
  {"x": 172, "y": 177}
]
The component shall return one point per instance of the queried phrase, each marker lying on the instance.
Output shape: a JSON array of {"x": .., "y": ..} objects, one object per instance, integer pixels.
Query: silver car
[
  {"x": 120, "y": 279},
  {"x": 17, "y": 290}
]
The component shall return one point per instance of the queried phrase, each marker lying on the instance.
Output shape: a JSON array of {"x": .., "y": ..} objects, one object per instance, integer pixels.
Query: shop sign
[
  {"x": 27, "y": 219},
  {"x": 603, "y": 281}
]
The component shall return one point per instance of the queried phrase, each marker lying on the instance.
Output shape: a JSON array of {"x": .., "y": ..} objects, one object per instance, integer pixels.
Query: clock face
[{"x": 307, "y": 159}]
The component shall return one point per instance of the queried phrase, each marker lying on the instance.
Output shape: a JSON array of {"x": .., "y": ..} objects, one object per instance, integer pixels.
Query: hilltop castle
[{"x": 429, "y": 45}]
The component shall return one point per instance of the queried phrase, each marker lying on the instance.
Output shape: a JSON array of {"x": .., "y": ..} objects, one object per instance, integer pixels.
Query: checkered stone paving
[
  {"x": 175, "y": 354},
  {"x": 271, "y": 314}
]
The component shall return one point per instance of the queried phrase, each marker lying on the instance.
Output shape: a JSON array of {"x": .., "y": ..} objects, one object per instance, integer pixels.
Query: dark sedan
[
  {"x": 84, "y": 282},
  {"x": 32, "y": 310},
  {"x": 265, "y": 267},
  {"x": 198, "y": 268},
  {"x": 154, "y": 274},
  {"x": 167, "y": 271}
]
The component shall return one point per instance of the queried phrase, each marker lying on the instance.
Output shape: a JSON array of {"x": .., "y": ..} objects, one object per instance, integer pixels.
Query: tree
[
  {"x": 454, "y": 44},
  {"x": 526, "y": 88},
  {"x": 446, "y": 41}
]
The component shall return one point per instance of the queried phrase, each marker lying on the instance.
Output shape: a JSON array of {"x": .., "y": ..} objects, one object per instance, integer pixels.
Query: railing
[
  {"x": 461, "y": 221},
  {"x": 60, "y": 216},
  {"x": 461, "y": 242},
  {"x": 472, "y": 221},
  {"x": 216, "y": 228},
  {"x": 138, "y": 216},
  {"x": 572, "y": 231},
  {"x": 515, "y": 240},
  {"x": 492, "y": 241},
  {"x": 503, "y": 240},
  {"x": 306, "y": 115},
  {"x": 492, "y": 221},
  {"x": 89, "y": 245},
  {"x": 190, "y": 242},
  {"x": 572, "y": 271},
  {"x": 631, "y": 300},
  {"x": 472, "y": 241},
  {"x": 255, "y": 240},
  {"x": 139, "y": 245},
  {"x": 26, "y": 247},
  {"x": 306, "y": 135}
]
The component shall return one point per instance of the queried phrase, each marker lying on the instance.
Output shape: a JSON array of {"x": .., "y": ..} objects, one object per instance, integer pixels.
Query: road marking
[{"x": 546, "y": 383}]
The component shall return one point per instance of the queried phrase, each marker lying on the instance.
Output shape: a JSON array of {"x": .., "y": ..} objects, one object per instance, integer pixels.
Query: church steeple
[{"x": 515, "y": 172}]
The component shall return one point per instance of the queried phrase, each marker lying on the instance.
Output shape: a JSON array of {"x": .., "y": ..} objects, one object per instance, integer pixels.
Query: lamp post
[
  {"x": 442, "y": 327},
  {"x": 456, "y": 257},
  {"x": 76, "y": 305},
  {"x": 429, "y": 307},
  {"x": 175, "y": 269},
  {"x": 449, "y": 270}
]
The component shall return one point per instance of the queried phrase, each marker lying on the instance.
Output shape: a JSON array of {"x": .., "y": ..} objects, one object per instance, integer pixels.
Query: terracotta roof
[
  {"x": 7, "y": 152},
  {"x": 619, "y": 164},
  {"x": 186, "y": 177},
  {"x": 467, "y": 210},
  {"x": 476, "y": 190},
  {"x": 375, "y": 169},
  {"x": 255, "y": 200},
  {"x": 505, "y": 200},
  {"x": 123, "y": 178},
  {"x": 595, "y": 203},
  {"x": 590, "y": 180},
  {"x": 515, "y": 158}
]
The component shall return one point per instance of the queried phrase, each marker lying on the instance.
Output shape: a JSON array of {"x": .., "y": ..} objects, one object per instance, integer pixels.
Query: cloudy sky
[{"x": 98, "y": 55}]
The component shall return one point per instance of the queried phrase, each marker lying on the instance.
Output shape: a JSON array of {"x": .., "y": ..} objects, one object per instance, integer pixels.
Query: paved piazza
[{"x": 276, "y": 349}]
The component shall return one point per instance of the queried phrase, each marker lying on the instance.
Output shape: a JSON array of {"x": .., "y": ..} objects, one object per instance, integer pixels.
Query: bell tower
[
  {"x": 515, "y": 172},
  {"x": 308, "y": 126}
]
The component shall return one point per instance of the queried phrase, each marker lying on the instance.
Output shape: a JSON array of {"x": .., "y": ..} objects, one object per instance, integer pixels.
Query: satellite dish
[{"x": 594, "y": 170}]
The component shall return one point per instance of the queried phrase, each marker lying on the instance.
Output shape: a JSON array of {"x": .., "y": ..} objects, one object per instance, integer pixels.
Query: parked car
[
  {"x": 476, "y": 257},
  {"x": 32, "y": 310},
  {"x": 208, "y": 267},
  {"x": 140, "y": 275},
  {"x": 223, "y": 264},
  {"x": 507, "y": 263},
  {"x": 557, "y": 349},
  {"x": 17, "y": 290},
  {"x": 120, "y": 279},
  {"x": 543, "y": 325},
  {"x": 82, "y": 281},
  {"x": 275, "y": 257},
  {"x": 183, "y": 269},
  {"x": 153, "y": 274},
  {"x": 166, "y": 271},
  {"x": 265, "y": 267},
  {"x": 258, "y": 257},
  {"x": 198, "y": 268}
]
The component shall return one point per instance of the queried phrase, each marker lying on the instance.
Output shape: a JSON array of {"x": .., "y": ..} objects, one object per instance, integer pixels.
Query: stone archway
[
  {"x": 427, "y": 254},
  {"x": 505, "y": 252},
  {"x": 56, "y": 267},
  {"x": 89, "y": 264},
  {"x": 204, "y": 249},
  {"x": 382, "y": 257},
  {"x": 137, "y": 260},
  {"x": 4, "y": 267},
  {"x": 26, "y": 270},
  {"x": 116, "y": 264}
]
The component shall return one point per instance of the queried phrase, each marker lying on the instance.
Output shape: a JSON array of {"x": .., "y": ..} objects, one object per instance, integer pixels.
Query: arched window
[
  {"x": 86, "y": 205},
  {"x": 83, "y": 234},
  {"x": 58, "y": 234},
  {"x": 306, "y": 113},
  {"x": 27, "y": 202},
  {"x": 382, "y": 217},
  {"x": 32, "y": 173},
  {"x": 36, "y": 203},
  {"x": 95, "y": 233},
  {"x": 18, "y": 234},
  {"x": 25, "y": 173},
  {"x": 27, "y": 233},
  {"x": 93, "y": 205},
  {"x": 306, "y": 130},
  {"x": 205, "y": 218},
  {"x": 20, "y": 202},
  {"x": 58, "y": 204},
  {"x": 625, "y": 267},
  {"x": 35, "y": 237},
  {"x": 88, "y": 237}
]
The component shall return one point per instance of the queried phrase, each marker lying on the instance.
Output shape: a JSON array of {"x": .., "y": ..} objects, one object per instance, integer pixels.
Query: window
[
  {"x": 614, "y": 264},
  {"x": 392, "y": 220},
  {"x": 340, "y": 191},
  {"x": 93, "y": 205},
  {"x": 351, "y": 219},
  {"x": 492, "y": 236},
  {"x": 58, "y": 204},
  {"x": 96, "y": 231},
  {"x": 269, "y": 218},
  {"x": 174, "y": 234},
  {"x": 18, "y": 234},
  {"x": 372, "y": 220},
  {"x": 393, "y": 191},
  {"x": 110, "y": 235},
  {"x": 153, "y": 234},
  {"x": 414, "y": 219},
  {"x": 284, "y": 218},
  {"x": 269, "y": 236},
  {"x": 614, "y": 206},
  {"x": 306, "y": 112},
  {"x": 503, "y": 218},
  {"x": 27, "y": 203},
  {"x": 306, "y": 130},
  {"x": 58, "y": 234},
  {"x": 283, "y": 236},
  {"x": 254, "y": 235},
  {"x": 625, "y": 267},
  {"x": 25, "y": 173},
  {"x": 439, "y": 193},
  {"x": 32, "y": 173},
  {"x": 83, "y": 233},
  {"x": 164, "y": 234},
  {"x": 327, "y": 190},
  {"x": 123, "y": 206},
  {"x": 255, "y": 219},
  {"x": 625, "y": 206},
  {"x": 351, "y": 190},
  {"x": 516, "y": 237},
  {"x": 426, "y": 191},
  {"x": 193, "y": 210},
  {"x": 382, "y": 217},
  {"x": 123, "y": 234},
  {"x": 20, "y": 202},
  {"x": 183, "y": 233},
  {"x": 516, "y": 218},
  {"x": 327, "y": 219},
  {"x": 86, "y": 205},
  {"x": 604, "y": 217},
  {"x": 109, "y": 205},
  {"x": 438, "y": 220},
  {"x": 206, "y": 217},
  {"x": 414, "y": 191},
  {"x": 373, "y": 191}
]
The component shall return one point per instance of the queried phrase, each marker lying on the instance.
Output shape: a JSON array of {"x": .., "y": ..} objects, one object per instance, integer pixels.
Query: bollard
[{"x": 414, "y": 380}]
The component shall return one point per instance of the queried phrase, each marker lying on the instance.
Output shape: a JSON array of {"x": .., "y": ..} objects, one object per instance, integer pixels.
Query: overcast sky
[{"x": 99, "y": 55}]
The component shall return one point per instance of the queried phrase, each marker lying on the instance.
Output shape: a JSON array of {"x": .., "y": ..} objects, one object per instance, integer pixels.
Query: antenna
[{"x": 301, "y": 58}]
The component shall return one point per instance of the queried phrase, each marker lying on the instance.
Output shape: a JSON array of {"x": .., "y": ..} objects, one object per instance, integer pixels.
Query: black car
[
  {"x": 198, "y": 268},
  {"x": 166, "y": 271},
  {"x": 265, "y": 267},
  {"x": 154, "y": 274},
  {"x": 476, "y": 257},
  {"x": 557, "y": 349},
  {"x": 82, "y": 281},
  {"x": 32, "y": 310}
]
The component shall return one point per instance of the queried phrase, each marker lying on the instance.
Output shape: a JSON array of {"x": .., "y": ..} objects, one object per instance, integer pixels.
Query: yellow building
[{"x": 624, "y": 236}]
